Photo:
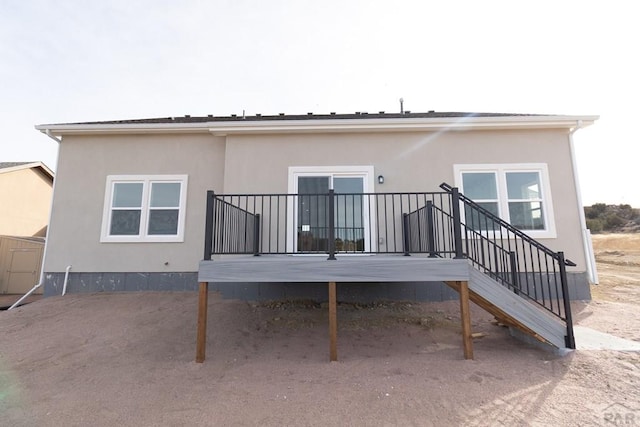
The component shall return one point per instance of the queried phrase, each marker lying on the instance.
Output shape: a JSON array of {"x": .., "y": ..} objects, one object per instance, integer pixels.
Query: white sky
[{"x": 75, "y": 60}]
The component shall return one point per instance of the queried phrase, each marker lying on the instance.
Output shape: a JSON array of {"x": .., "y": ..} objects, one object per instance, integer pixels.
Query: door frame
[{"x": 364, "y": 171}]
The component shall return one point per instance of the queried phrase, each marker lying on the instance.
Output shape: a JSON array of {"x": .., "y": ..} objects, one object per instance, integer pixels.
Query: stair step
[{"x": 522, "y": 313}]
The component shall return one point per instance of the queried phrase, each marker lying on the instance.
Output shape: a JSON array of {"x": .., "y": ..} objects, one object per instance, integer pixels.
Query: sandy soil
[{"x": 128, "y": 359}]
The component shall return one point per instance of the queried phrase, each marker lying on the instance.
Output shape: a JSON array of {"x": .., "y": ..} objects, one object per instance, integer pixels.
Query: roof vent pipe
[{"x": 401, "y": 106}]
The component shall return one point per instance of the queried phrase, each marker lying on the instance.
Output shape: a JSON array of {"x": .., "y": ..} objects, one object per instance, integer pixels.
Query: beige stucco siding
[
  {"x": 86, "y": 161},
  {"x": 417, "y": 161},
  {"x": 25, "y": 199},
  {"x": 409, "y": 161}
]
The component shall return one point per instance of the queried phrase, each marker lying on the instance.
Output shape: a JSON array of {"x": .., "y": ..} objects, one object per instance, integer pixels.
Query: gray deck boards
[
  {"x": 378, "y": 268},
  {"x": 544, "y": 324}
]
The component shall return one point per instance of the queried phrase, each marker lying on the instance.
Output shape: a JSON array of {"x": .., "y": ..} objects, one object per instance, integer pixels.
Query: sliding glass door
[{"x": 349, "y": 213}]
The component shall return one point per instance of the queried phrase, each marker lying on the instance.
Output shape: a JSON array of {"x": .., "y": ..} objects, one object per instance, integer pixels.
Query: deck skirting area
[
  {"x": 459, "y": 274},
  {"x": 346, "y": 269}
]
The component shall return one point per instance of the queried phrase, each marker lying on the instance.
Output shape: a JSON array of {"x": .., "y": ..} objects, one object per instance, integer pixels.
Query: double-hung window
[
  {"x": 517, "y": 193},
  {"x": 144, "y": 208}
]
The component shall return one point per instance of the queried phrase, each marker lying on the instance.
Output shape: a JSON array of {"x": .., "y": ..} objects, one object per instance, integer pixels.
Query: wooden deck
[
  {"x": 471, "y": 284},
  {"x": 357, "y": 268}
]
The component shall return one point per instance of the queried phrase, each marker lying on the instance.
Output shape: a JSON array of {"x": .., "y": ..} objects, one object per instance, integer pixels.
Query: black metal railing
[
  {"x": 233, "y": 229},
  {"x": 440, "y": 224},
  {"x": 515, "y": 260},
  {"x": 330, "y": 223}
]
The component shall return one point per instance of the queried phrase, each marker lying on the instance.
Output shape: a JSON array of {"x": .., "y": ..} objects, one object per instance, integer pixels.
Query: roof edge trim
[
  {"x": 31, "y": 165},
  {"x": 338, "y": 125}
]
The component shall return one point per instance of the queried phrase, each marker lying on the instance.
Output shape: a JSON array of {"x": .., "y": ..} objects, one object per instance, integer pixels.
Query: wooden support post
[
  {"x": 465, "y": 316},
  {"x": 201, "y": 336},
  {"x": 333, "y": 323}
]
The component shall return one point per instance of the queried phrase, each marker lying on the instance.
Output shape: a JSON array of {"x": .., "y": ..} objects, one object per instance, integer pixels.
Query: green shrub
[
  {"x": 595, "y": 225},
  {"x": 601, "y": 217},
  {"x": 613, "y": 221}
]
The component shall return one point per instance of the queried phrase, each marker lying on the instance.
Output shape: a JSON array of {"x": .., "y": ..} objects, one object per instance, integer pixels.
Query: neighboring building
[
  {"x": 25, "y": 198},
  {"x": 26, "y": 189},
  {"x": 133, "y": 217},
  {"x": 20, "y": 264}
]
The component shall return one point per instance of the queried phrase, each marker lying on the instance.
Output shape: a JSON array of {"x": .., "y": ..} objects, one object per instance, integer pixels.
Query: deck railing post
[
  {"x": 208, "y": 227},
  {"x": 332, "y": 226},
  {"x": 256, "y": 235},
  {"x": 457, "y": 222},
  {"x": 570, "y": 341},
  {"x": 513, "y": 261},
  {"x": 406, "y": 239},
  {"x": 431, "y": 233}
]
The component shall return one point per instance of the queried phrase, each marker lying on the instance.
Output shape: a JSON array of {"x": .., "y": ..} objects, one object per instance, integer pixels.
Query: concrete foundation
[{"x": 348, "y": 292}]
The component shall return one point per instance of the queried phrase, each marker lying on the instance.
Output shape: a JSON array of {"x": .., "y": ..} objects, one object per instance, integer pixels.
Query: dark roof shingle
[
  {"x": 5, "y": 165},
  {"x": 308, "y": 116}
]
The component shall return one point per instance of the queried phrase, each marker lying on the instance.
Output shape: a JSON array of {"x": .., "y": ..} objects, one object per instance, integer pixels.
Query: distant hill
[{"x": 603, "y": 218}]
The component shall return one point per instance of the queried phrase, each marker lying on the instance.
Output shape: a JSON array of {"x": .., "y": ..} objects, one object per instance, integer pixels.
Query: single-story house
[{"x": 387, "y": 198}]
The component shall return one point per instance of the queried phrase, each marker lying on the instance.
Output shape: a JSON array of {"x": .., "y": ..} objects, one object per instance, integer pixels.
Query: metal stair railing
[{"x": 515, "y": 260}]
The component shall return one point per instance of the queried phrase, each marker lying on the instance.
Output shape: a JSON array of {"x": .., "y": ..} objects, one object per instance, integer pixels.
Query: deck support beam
[
  {"x": 465, "y": 316},
  {"x": 201, "y": 335},
  {"x": 333, "y": 323},
  {"x": 462, "y": 287}
]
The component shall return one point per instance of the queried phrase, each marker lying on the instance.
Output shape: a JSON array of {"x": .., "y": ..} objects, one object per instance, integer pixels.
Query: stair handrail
[
  {"x": 557, "y": 256},
  {"x": 448, "y": 188}
]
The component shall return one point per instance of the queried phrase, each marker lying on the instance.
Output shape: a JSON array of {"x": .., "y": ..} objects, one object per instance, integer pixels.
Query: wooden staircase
[{"x": 514, "y": 310}]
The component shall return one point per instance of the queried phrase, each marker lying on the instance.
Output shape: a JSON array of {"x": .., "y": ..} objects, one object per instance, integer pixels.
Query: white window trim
[
  {"x": 501, "y": 170},
  {"x": 143, "y": 237},
  {"x": 343, "y": 171}
]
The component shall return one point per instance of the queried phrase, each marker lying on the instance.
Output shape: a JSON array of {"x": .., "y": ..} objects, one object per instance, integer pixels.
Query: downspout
[
  {"x": 17, "y": 303},
  {"x": 58, "y": 140},
  {"x": 586, "y": 233},
  {"x": 46, "y": 241},
  {"x": 64, "y": 286},
  {"x": 66, "y": 279}
]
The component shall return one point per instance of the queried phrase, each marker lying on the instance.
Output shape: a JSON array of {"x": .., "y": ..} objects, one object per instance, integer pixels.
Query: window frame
[
  {"x": 501, "y": 170},
  {"x": 143, "y": 235},
  {"x": 366, "y": 172}
]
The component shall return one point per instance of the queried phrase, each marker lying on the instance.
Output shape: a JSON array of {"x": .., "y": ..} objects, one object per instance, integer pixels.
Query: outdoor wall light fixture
[{"x": 380, "y": 179}]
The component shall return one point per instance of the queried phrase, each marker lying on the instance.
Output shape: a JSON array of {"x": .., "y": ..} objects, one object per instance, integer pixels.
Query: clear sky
[{"x": 76, "y": 60}]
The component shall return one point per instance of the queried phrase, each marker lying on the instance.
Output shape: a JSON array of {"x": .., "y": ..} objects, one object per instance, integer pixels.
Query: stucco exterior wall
[
  {"x": 25, "y": 199},
  {"x": 412, "y": 162},
  {"x": 86, "y": 161},
  {"x": 409, "y": 161}
]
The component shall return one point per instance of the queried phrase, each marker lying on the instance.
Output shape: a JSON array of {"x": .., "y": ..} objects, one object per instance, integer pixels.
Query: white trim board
[
  {"x": 143, "y": 236},
  {"x": 501, "y": 169}
]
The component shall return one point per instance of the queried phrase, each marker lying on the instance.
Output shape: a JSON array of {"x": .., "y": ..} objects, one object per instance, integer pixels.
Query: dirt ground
[{"x": 128, "y": 359}]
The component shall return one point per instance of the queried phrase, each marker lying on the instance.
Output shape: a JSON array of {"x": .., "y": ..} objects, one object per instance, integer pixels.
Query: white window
[
  {"x": 144, "y": 208},
  {"x": 517, "y": 193}
]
